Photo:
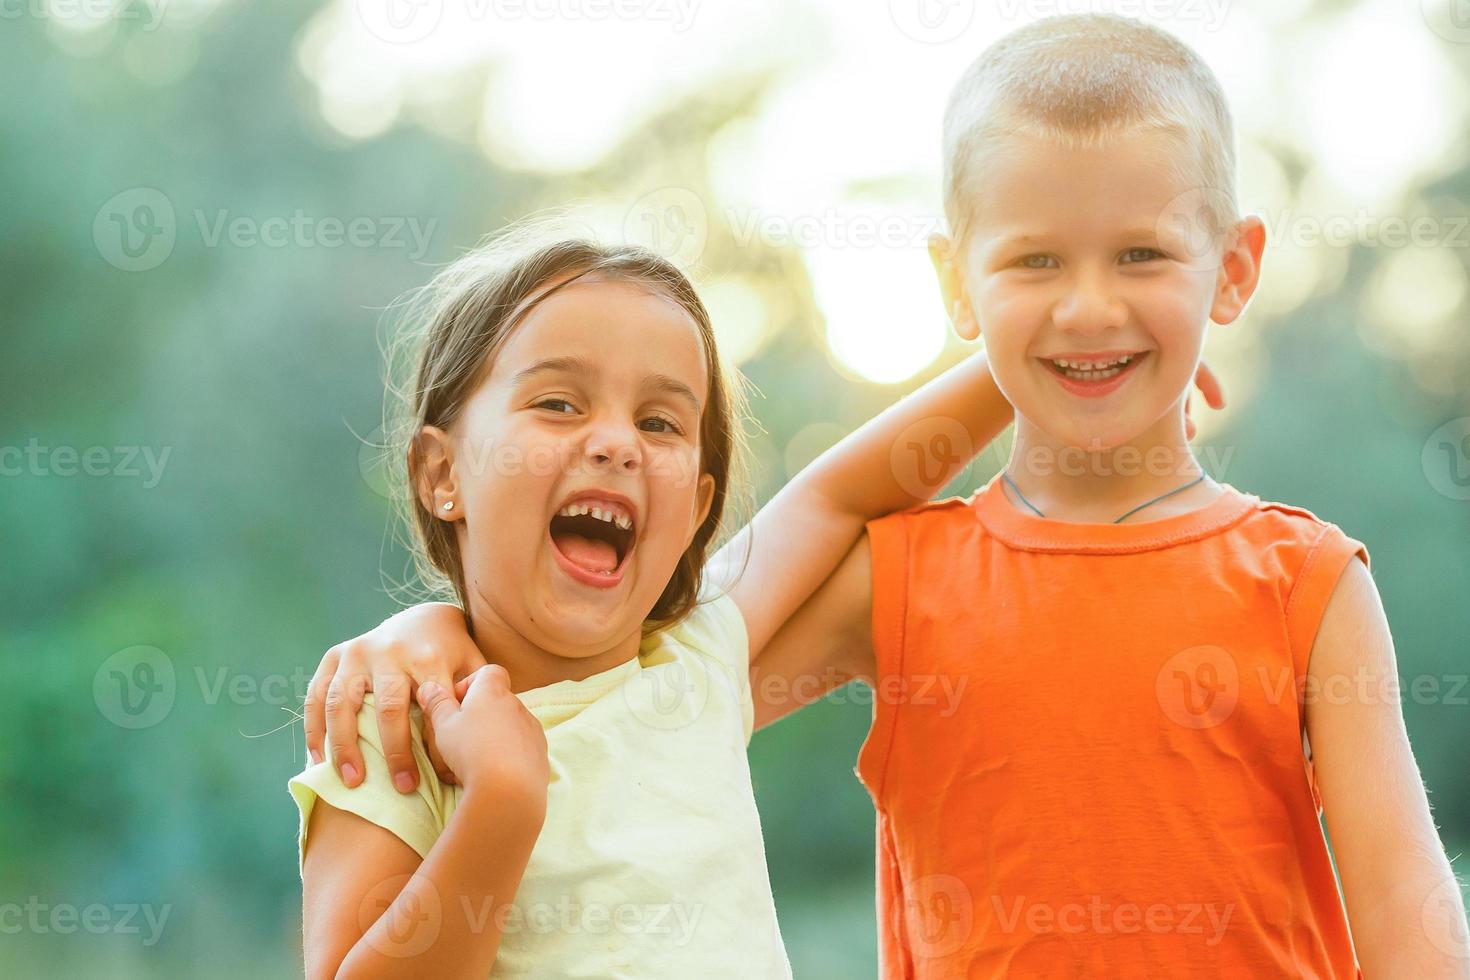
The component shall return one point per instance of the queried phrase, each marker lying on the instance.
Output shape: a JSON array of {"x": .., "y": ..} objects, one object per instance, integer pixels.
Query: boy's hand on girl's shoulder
[
  {"x": 489, "y": 738},
  {"x": 421, "y": 644},
  {"x": 1209, "y": 385}
]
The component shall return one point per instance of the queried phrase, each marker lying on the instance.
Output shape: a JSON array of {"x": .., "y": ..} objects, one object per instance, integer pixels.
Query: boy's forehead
[{"x": 1023, "y": 182}]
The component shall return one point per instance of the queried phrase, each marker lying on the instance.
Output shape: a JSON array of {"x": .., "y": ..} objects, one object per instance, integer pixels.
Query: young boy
[
  {"x": 1162, "y": 681},
  {"x": 1154, "y": 662}
]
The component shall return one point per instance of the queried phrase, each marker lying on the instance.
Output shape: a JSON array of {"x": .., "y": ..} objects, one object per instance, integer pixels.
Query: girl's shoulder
[
  {"x": 706, "y": 655},
  {"x": 417, "y": 818}
]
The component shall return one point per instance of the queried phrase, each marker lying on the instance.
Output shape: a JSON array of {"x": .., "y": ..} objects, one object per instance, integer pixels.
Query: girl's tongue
[{"x": 593, "y": 554}]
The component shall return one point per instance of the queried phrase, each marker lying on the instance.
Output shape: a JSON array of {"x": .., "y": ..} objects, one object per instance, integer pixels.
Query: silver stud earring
[{"x": 449, "y": 505}]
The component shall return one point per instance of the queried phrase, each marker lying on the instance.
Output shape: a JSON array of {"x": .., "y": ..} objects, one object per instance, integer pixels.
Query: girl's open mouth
[
  {"x": 592, "y": 541},
  {"x": 1094, "y": 377}
]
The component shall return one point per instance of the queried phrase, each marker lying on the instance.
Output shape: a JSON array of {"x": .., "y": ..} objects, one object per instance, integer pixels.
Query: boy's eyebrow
[
  {"x": 1007, "y": 242},
  {"x": 1013, "y": 241},
  {"x": 570, "y": 364}
]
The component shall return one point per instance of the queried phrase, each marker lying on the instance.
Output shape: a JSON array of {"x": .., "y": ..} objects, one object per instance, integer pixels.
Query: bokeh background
[{"x": 207, "y": 206}]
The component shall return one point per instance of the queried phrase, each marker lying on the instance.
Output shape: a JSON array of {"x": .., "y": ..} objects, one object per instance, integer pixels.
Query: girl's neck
[
  {"x": 1077, "y": 485},
  {"x": 531, "y": 666}
]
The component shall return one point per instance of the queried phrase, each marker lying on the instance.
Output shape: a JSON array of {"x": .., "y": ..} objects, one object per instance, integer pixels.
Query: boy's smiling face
[{"x": 1090, "y": 284}]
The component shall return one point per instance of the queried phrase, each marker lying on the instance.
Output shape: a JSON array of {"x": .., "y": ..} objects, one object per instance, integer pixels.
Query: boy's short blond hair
[{"x": 1080, "y": 80}]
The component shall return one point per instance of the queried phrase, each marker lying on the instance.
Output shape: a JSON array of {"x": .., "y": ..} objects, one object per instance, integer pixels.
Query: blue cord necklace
[{"x": 1006, "y": 476}]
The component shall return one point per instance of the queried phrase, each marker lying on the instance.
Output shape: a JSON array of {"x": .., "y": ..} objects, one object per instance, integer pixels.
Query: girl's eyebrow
[
  {"x": 565, "y": 364},
  {"x": 570, "y": 364},
  {"x": 662, "y": 382}
]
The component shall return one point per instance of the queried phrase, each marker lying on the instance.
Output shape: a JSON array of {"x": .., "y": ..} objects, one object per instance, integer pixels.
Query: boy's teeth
[
  {"x": 1092, "y": 370},
  {"x": 1092, "y": 365}
]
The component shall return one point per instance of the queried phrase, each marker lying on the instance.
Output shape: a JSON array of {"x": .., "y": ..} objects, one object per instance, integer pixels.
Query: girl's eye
[
  {"x": 668, "y": 426},
  {"x": 1141, "y": 255},
  {"x": 559, "y": 405},
  {"x": 1037, "y": 261}
]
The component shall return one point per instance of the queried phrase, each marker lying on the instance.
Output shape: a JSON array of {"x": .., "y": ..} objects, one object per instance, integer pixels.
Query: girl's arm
[
  {"x": 1404, "y": 905},
  {"x": 371, "y": 909},
  {"x": 897, "y": 460}
]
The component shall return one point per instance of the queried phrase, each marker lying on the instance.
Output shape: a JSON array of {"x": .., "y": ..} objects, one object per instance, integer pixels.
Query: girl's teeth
[{"x": 610, "y": 516}]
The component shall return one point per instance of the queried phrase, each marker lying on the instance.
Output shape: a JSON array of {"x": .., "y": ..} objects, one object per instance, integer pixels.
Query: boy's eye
[
  {"x": 1142, "y": 254},
  {"x": 1037, "y": 261},
  {"x": 560, "y": 405}
]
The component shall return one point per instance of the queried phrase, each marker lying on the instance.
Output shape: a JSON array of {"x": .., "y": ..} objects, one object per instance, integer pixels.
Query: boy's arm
[
  {"x": 1404, "y": 905},
  {"x": 827, "y": 643},
  {"x": 897, "y": 460},
  {"x": 372, "y": 909}
]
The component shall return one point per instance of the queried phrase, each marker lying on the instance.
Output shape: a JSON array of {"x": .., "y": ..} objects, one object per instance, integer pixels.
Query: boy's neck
[
  {"x": 531, "y": 666},
  {"x": 1076, "y": 485}
]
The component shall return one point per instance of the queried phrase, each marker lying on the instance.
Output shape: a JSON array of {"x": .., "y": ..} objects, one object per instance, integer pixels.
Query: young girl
[{"x": 569, "y": 458}]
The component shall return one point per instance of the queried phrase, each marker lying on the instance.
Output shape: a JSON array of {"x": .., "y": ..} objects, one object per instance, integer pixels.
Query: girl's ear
[
  {"x": 1240, "y": 269},
  {"x": 431, "y": 467},
  {"x": 952, "y": 286},
  {"x": 703, "y": 498}
]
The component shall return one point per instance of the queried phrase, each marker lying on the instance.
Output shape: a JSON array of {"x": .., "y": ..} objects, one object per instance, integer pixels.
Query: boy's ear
[
  {"x": 431, "y": 468},
  {"x": 952, "y": 286},
  {"x": 1240, "y": 269}
]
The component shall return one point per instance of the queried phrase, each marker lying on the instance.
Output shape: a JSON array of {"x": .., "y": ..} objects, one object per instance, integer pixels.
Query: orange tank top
[{"x": 1087, "y": 751}]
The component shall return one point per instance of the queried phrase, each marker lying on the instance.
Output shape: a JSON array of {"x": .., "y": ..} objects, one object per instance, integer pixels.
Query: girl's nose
[{"x": 616, "y": 447}]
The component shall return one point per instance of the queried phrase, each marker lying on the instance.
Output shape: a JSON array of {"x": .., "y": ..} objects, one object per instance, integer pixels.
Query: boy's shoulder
[
  {"x": 1297, "y": 537},
  {"x": 1288, "y": 518},
  {"x": 930, "y": 512}
]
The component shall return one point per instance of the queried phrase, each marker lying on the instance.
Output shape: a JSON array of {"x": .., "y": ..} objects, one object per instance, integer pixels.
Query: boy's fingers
[
  {"x": 315, "y": 709},
  {"x": 391, "y": 699},
  {"x": 1209, "y": 385},
  {"x": 344, "y": 700}
]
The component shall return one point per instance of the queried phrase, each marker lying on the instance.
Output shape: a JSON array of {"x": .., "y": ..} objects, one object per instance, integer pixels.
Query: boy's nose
[{"x": 1089, "y": 308}]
